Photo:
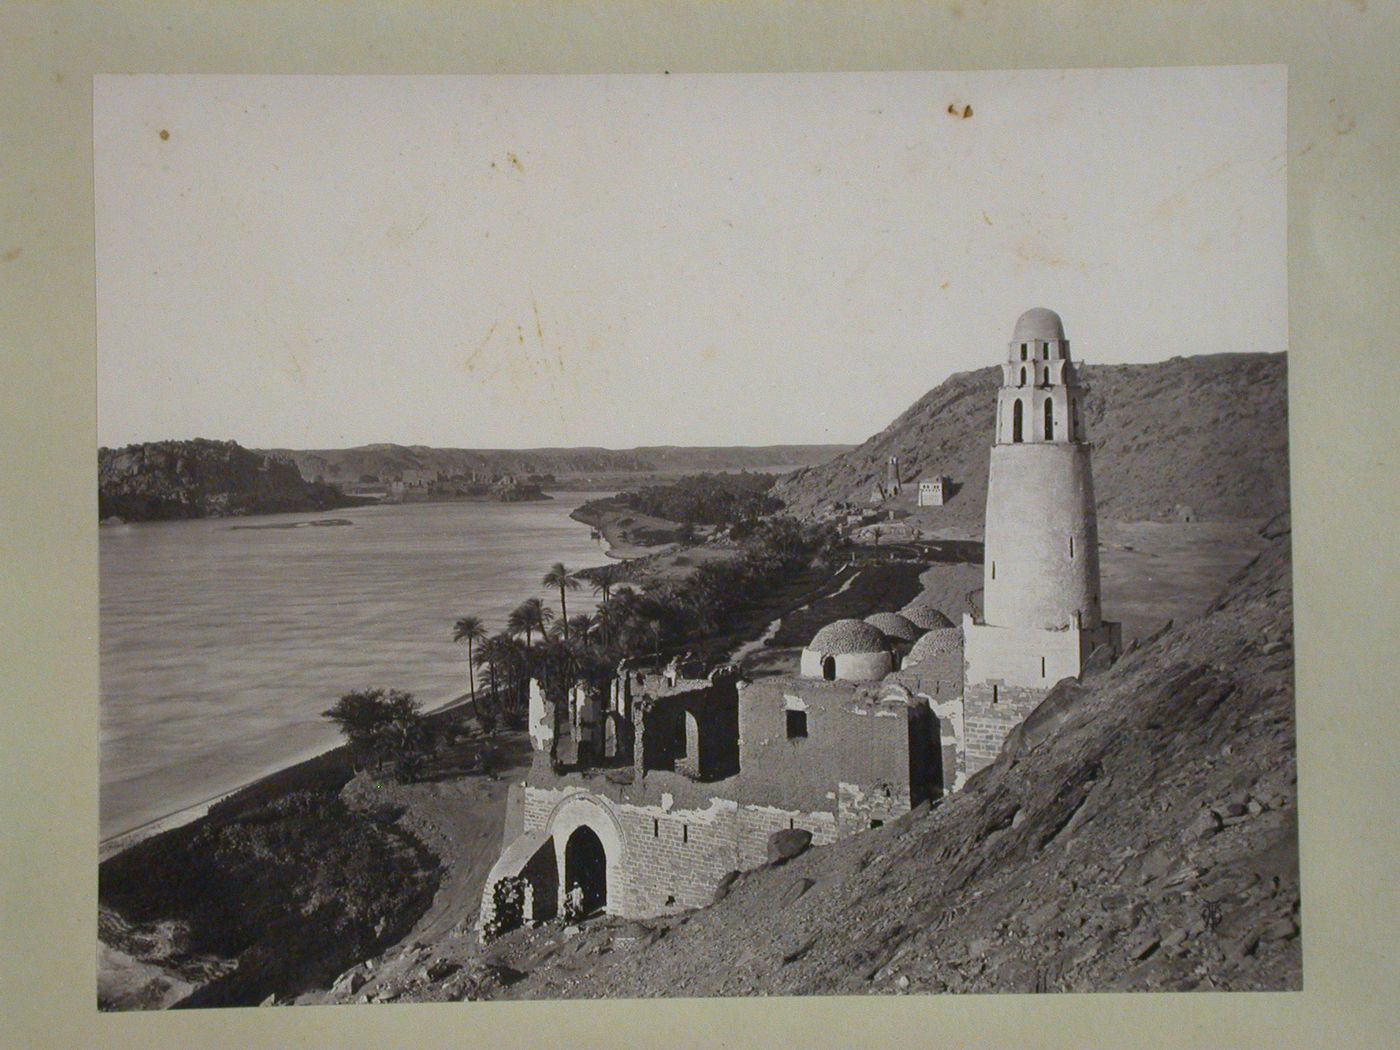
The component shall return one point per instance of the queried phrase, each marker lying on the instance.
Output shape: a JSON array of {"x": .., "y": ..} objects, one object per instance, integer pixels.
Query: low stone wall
[{"x": 660, "y": 858}]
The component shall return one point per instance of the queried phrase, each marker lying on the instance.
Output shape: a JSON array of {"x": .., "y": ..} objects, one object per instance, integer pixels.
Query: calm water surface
[{"x": 221, "y": 646}]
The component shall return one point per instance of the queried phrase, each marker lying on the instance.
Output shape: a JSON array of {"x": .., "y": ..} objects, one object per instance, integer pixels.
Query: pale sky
[{"x": 502, "y": 262}]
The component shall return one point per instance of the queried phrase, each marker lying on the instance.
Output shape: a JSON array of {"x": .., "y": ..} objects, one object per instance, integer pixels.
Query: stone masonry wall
[
  {"x": 860, "y": 809},
  {"x": 672, "y": 858},
  {"x": 986, "y": 722}
]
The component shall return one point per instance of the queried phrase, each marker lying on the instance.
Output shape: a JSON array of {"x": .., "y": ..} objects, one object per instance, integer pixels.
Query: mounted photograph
[{"x": 626, "y": 536}]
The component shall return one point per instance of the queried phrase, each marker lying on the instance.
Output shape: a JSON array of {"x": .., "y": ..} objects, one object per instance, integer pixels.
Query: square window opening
[{"x": 796, "y": 725}]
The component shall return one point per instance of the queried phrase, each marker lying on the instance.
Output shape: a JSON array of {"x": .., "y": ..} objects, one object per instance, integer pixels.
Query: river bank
[
  {"x": 165, "y": 924},
  {"x": 628, "y": 533}
]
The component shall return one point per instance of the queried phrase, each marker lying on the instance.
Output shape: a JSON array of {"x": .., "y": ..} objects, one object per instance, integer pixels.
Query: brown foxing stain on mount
[
  {"x": 13, "y": 254},
  {"x": 515, "y": 163},
  {"x": 164, "y": 134},
  {"x": 960, "y": 111},
  {"x": 470, "y": 362}
]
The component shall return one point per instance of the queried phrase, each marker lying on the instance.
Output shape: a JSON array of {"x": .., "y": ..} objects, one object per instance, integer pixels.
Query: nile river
[{"x": 221, "y": 646}]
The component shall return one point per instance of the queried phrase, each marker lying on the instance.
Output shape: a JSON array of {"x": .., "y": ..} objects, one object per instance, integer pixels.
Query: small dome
[
  {"x": 848, "y": 636},
  {"x": 925, "y": 616},
  {"x": 895, "y": 627},
  {"x": 1038, "y": 323},
  {"x": 935, "y": 643}
]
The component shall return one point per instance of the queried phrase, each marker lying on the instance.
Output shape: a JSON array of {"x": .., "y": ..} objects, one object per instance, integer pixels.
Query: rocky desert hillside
[
  {"x": 163, "y": 480},
  {"x": 1207, "y": 433},
  {"x": 1139, "y": 832}
]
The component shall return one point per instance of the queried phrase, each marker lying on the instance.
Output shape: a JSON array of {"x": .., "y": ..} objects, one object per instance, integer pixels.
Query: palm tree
[
  {"x": 558, "y": 576},
  {"x": 488, "y": 656},
  {"x": 469, "y": 629},
  {"x": 529, "y": 618},
  {"x": 604, "y": 577},
  {"x": 583, "y": 626}
]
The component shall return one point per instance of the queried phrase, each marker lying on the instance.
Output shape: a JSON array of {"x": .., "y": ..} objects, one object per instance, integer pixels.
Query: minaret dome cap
[{"x": 1038, "y": 323}]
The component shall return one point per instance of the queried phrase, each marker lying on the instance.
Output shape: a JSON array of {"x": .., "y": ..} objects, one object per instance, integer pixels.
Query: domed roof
[
  {"x": 935, "y": 643},
  {"x": 895, "y": 627},
  {"x": 1038, "y": 323},
  {"x": 925, "y": 616},
  {"x": 848, "y": 636}
]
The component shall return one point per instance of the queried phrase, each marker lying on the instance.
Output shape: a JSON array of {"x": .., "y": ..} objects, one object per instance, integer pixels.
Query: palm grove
[{"x": 652, "y": 619}]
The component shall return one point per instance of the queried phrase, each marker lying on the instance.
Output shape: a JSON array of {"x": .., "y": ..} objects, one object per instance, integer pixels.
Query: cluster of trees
[
  {"x": 296, "y": 889},
  {"x": 384, "y": 728},
  {"x": 707, "y": 499},
  {"x": 656, "y": 618},
  {"x": 388, "y": 728}
]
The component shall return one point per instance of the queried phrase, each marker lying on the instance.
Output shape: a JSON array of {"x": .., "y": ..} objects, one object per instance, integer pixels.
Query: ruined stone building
[
  {"x": 933, "y": 492},
  {"x": 667, "y": 782}
]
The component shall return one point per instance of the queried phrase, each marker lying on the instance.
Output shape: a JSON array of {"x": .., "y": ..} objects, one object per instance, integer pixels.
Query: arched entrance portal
[
  {"x": 829, "y": 668},
  {"x": 586, "y": 867}
]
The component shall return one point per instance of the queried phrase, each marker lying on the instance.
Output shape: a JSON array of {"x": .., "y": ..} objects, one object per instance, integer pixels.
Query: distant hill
[
  {"x": 1209, "y": 433},
  {"x": 386, "y": 462},
  {"x": 162, "y": 480}
]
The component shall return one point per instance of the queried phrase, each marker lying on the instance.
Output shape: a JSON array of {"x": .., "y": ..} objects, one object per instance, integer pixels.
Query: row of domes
[{"x": 919, "y": 623}]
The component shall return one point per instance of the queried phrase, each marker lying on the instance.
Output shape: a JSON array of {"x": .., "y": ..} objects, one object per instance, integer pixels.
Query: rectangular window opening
[
  {"x": 656, "y": 829},
  {"x": 796, "y": 724},
  {"x": 1042, "y": 667},
  {"x": 685, "y": 832},
  {"x": 994, "y": 570},
  {"x": 876, "y": 824},
  {"x": 1071, "y": 546},
  {"x": 996, "y": 693}
]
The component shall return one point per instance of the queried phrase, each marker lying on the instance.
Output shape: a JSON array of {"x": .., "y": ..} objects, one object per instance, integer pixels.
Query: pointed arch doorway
[{"x": 586, "y": 867}]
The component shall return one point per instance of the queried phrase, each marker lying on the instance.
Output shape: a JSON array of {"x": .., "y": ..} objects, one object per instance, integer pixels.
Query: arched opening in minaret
[
  {"x": 1023, "y": 377},
  {"x": 1049, "y": 420},
  {"x": 1016, "y": 421}
]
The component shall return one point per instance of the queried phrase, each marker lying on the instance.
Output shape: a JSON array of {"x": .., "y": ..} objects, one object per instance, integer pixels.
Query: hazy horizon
[{"x": 527, "y": 262}]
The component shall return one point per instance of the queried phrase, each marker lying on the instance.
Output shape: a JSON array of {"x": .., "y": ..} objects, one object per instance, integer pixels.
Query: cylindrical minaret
[{"x": 1042, "y": 546}]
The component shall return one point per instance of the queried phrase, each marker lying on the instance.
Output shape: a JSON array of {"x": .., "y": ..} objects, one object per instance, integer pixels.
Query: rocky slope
[
  {"x": 1208, "y": 433},
  {"x": 162, "y": 480},
  {"x": 1139, "y": 832},
  {"x": 388, "y": 461}
]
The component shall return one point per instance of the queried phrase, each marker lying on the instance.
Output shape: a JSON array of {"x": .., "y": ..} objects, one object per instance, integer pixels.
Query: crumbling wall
[
  {"x": 691, "y": 728},
  {"x": 860, "y": 807},
  {"x": 851, "y": 736}
]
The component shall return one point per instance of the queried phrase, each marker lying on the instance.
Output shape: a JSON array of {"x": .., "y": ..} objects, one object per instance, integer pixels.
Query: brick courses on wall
[
  {"x": 851, "y": 737},
  {"x": 672, "y": 858},
  {"x": 987, "y": 722},
  {"x": 860, "y": 809}
]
